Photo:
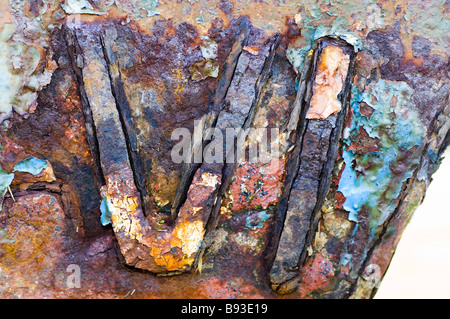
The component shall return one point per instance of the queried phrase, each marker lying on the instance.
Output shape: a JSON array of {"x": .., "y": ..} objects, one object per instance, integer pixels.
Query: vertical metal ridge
[
  {"x": 224, "y": 82},
  {"x": 123, "y": 109},
  {"x": 74, "y": 52},
  {"x": 295, "y": 238}
]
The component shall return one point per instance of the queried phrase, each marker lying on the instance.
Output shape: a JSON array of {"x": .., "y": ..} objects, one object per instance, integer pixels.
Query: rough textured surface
[{"x": 91, "y": 92}]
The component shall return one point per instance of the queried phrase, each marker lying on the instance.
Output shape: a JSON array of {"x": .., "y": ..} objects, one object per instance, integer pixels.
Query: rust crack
[
  {"x": 231, "y": 163},
  {"x": 210, "y": 120},
  {"x": 74, "y": 52},
  {"x": 123, "y": 109}
]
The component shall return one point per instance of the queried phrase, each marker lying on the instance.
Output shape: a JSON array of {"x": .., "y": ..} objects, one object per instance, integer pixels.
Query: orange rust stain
[
  {"x": 179, "y": 87},
  {"x": 251, "y": 50},
  {"x": 175, "y": 248}
]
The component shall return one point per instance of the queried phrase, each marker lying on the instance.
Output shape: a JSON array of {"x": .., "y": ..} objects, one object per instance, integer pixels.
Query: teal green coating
[
  {"x": 431, "y": 18},
  {"x": 79, "y": 7},
  {"x": 5, "y": 180},
  {"x": 253, "y": 224},
  {"x": 106, "y": 210},
  {"x": 340, "y": 28},
  {"x": 31, "y": 165},
  {"x": 139, "y": 9},
  {"x": 368, "y": 181}
]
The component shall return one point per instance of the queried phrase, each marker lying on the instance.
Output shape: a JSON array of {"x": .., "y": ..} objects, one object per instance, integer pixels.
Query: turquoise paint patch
[
  {"x": 346, "y": 259},
  {"x": 8, "y": 82},
  {"x": 5, "y": 180},
  {"x": 258, "y": 222},
  {"x": 30, "y": 165},
  {"x": 368, "y": 181},
  {"x": 432, "y": 156},
  {"x": 106, "y": 209},
  {"x": 139, "y": 9},
  {"x": 150, "y": 7},
  {"x": 79, "y": 7},
  {"x": 431, "y": 17},
  {"x": 200, "y": 20},
  {"x": 339, "y": 28}
]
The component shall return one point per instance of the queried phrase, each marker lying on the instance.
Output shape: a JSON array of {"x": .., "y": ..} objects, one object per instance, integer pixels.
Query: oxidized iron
[{"x": 348, "y": 102}]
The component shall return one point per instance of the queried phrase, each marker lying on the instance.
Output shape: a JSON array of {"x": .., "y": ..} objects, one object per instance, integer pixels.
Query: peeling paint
[
  {"x": 31, "y": 165},
  {"x": 106, "y": 211},
  {"x": 5, "y": 180},
  {"x": 209, "y": 47},
  {"x": 205, "y": 68},
  {"x": 328, "y": 83},
  {"x": 25, "y": 65},
  {"x": 256, "y": 221},
  {"x": 138, "y": 9},
  {"x": 373, "y": 181},
  {"x": 79, "y": 7},
  {"x": 377, "y": 159}
]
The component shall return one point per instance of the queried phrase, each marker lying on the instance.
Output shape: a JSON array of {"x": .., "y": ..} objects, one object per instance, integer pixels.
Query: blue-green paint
[
  {"x": 430, "y": 18},
  {"x": 432, "y": 156},
  {"x": 31, "y": 165},
  {"x": 139, "y": 9},
  {"x": 200, "y": 20},
  {"x": 258, "y": 222},
  {"x": 311, "y": 32},
  {"x": 79, "y": 7},
  {"x": 106, "y": 208},
  {"x": 5, "y": 180},
  {"x": 368, "y": 181}
]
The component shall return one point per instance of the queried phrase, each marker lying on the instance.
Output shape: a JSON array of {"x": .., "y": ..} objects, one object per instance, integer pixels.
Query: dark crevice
[
  {"x": 292, "y": 163},
  {"x": 74, "y": 51},
  {"x": 224, "y": 82},
  {"x": 230, "y": 165},
  {"x": 295, "y": 161},
  {"x": 293, "y": 166},
  {"x": 123, "y": 109}
]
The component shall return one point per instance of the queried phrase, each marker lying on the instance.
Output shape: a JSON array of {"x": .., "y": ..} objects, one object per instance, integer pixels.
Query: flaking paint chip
[
  {"x": 328, "y": 83},
  {"x": 251, "y": 50}
]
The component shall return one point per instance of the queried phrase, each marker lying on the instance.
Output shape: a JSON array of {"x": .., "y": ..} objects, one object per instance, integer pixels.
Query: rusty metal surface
[{"x": 96, "y": 90}]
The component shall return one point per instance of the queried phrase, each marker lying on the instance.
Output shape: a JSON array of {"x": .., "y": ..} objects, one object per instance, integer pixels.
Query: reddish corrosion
[
  {"x": 11, "y": 154},
  {"x": 366, "y": 144},
  {"x": 316, "y": 274},
  {"x": 256, "y": 185}
]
